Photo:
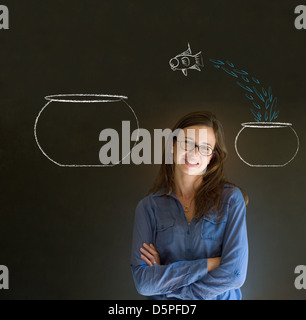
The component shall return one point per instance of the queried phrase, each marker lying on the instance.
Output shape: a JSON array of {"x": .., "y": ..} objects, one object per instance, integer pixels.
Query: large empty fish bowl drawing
[
  {"x": 266, "y": 144},
  {"x": 67, "y": 129}
]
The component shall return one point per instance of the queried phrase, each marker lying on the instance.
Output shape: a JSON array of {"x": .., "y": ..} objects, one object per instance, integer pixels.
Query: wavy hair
[{"x": 208, "y": 194}]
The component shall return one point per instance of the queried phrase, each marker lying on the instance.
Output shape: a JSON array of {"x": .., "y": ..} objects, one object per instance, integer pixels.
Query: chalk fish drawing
[{"x": 186, "y": 60}]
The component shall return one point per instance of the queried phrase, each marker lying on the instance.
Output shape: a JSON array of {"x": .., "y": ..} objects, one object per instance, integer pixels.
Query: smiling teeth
[{"x": 193, "y": 162}]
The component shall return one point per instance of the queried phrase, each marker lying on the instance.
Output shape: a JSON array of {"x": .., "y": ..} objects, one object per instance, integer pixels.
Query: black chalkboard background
[{"x": 66, "y": 232}]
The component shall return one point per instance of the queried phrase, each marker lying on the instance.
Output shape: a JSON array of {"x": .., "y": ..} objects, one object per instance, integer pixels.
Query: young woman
[{"x": 190, "y": 237}]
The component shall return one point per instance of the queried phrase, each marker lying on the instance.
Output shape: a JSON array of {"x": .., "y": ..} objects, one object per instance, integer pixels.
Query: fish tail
[{"x": 199, "y": 59}]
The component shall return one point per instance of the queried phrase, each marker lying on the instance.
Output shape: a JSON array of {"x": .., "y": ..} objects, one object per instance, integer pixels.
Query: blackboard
[{"x": 66, "y": 231}]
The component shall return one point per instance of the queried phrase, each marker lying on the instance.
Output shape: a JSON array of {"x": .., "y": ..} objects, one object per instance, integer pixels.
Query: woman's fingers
[
  {"x": 150, "y": 248},
  {"x": 213, "y": 263},
  {"x": 146, "y": 260},
  {"x": 150, "y": 254},
  {"x": 153, "y": 260},
  {"x": 156, "y": 254},
  {"x": 147, "y": 254}
]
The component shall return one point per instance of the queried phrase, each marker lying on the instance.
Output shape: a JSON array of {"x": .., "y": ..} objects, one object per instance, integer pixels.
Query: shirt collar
[{"x": 162, "y": 192}]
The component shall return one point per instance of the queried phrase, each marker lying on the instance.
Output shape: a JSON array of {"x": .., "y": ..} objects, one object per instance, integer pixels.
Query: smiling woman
[{"x": 190, "y": 238}]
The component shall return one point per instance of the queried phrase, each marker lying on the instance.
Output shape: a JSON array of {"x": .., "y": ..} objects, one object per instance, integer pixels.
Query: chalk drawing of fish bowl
[
  {"x": 67, "y": 129},
  {"x": 261, "y": 144},
  {"x": 267, "y": 144}
]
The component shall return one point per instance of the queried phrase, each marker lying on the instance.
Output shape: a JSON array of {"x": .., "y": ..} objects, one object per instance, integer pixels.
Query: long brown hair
[{"x": 208, "y": 194}]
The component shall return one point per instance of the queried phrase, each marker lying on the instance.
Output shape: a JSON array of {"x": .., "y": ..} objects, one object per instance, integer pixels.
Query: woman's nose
[{"x": 196, "y": 150}]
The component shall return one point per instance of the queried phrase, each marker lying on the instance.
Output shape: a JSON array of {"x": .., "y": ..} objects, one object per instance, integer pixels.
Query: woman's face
[{"x": 192, "y": 162}]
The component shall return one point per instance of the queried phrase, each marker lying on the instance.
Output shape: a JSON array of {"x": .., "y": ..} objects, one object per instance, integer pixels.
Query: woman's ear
[{"x": 211, "y": 158}]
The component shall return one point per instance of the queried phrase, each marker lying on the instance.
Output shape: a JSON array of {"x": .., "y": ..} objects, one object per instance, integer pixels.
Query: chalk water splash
[{"x": 264, "y": 104}]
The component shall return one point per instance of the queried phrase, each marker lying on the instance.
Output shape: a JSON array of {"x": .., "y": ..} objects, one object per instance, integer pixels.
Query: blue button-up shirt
[{"x": 185, "y": 247}]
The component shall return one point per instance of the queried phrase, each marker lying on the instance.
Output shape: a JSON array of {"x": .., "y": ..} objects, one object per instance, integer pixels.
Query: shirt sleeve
[
  {"x": 160, "y": 279},
  {"x": 231, "y": 272}
]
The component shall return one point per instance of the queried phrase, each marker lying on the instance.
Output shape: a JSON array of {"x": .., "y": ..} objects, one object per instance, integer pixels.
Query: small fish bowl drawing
[
  {"x": 261, "y": 144},
  {"x": 67, "y": 129},
  {"x": 267, "y": 144}
]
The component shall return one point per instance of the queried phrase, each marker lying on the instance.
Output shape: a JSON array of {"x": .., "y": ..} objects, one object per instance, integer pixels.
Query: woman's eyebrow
[
  {"x": 190, "y": 139},
  {"x": 207, "y": 144}
]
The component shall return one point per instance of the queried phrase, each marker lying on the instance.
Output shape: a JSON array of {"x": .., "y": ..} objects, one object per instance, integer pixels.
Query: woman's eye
[{"x": 205, "y": 149}]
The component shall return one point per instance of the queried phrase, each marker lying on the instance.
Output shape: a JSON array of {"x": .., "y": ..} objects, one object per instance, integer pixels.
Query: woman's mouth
[{"x": 191, "y": 164}]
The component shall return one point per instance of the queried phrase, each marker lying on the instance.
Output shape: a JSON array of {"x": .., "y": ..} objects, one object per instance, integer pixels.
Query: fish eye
[
  {"x": 174, "y": 62},
  {"x": 185, "y": 61}
]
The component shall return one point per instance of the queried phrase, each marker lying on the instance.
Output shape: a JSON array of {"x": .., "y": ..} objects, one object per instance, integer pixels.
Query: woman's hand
[
  {"x": 213, "y": 263},
  {"x": 149, "y": 255}
]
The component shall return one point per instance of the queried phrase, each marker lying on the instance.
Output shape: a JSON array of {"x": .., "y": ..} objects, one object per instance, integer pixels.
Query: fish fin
[
  {"x": 195, "y": 67},
  {"x": 184, "y": 72},
  {"x": 187, "y": 52},
  {"x": 199, "y": 59}
]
